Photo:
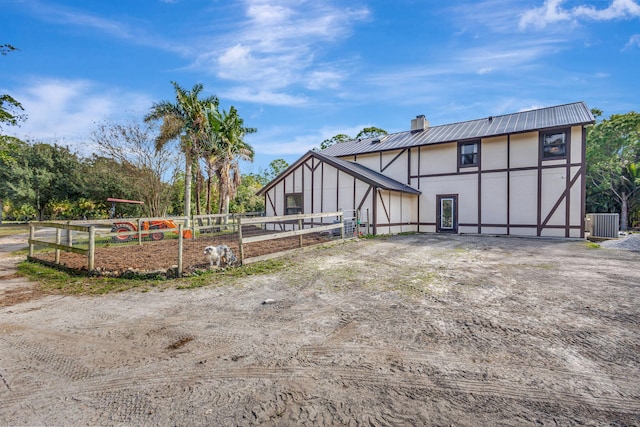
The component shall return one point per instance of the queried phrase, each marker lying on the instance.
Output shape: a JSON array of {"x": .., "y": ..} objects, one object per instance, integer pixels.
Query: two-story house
[{"x": 514, "y": 174}]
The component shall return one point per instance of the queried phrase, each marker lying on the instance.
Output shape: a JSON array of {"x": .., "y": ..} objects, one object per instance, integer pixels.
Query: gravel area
[{"x": 630, "y": 242}]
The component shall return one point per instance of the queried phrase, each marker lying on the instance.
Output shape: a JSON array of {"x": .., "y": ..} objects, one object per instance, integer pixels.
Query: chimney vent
[{"x": 419, "y": 124}]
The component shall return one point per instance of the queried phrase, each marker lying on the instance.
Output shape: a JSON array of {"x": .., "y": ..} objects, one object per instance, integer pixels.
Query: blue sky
[{"x": 301, "y": 71}]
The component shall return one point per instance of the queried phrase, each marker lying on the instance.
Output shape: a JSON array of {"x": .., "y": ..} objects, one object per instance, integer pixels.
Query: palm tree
[
  {"x": 226, "y": 148},
  {"x": 185, "y": 119}
]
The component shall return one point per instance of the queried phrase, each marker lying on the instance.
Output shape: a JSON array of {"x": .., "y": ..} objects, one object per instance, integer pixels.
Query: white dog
[{"x": 221, "y": 254}]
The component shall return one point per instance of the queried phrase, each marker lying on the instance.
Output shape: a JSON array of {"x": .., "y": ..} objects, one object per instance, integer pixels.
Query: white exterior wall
[
  {"x": 326, "y": 189},
  {"x": 512, "y": 191},
  {"x": 439, "y": 159}
]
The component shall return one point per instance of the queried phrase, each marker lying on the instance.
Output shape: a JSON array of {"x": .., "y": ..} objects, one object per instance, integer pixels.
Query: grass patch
[
  {"x": 591, "y": 245},
  {"x": 56, "y": 281},
  {"x": 52, "y": 280},
  {"x": 229, "y": 276}
]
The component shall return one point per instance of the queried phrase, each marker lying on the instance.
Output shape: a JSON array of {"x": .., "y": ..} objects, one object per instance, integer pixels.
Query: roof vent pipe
[{"x": 419, "y": 124}]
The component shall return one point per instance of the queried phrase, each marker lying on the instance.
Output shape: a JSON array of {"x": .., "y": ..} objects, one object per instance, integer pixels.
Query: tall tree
[
  {"x": 9, "y": 107},
  {"x": 43, "y": 174},
  {"x": 8, "y": 116},
  {"x": 184, "y": 120},
  {"x": 613, "y": 163},
  {"x": 146, "y": 165},
  {"x": 276, "y": 167},
  {"x": 368, "y": 132},
  {"x": 226, "y": 148},
  {"x": 336, "y": 139},
  {"x": 11, "y": 150},
  {"x": 371, "y": 132}
]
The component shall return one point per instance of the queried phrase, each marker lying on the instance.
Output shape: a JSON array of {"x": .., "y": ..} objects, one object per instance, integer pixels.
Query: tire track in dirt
[{"x": 409, "y": 369}]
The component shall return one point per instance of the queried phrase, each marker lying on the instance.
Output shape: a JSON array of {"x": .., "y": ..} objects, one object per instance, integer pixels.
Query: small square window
[
  {"x": 469, "y": 154},
  {"x": 293, "y": 204},
  {"x": 554, "y": 145}
]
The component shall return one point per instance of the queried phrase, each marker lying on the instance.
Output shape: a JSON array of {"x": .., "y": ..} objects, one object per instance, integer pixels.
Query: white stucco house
[{"x": 514, "y": 174}]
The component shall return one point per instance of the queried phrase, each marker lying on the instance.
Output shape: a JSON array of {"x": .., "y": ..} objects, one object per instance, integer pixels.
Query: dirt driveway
[{"x": 409, "y": 330}]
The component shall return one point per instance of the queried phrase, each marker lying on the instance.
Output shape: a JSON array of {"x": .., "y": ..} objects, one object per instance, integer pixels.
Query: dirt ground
[
  {"x": 407, "y": 330},
  {"x": 162, "y": 255}
]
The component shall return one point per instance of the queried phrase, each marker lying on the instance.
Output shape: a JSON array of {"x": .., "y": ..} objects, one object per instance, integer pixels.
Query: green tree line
[{"x": 613, "y": 167}]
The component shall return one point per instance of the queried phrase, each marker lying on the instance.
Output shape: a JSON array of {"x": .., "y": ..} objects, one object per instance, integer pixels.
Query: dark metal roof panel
[{"x": 561, "y": 115}]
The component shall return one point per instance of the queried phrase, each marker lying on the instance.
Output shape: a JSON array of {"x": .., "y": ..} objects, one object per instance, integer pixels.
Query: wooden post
[
  {"x": 342, "y": 225},
  {"x": 140, "y": 231},
  {"x": 92, "y": 248},
  {"x": 368, "y": 223},
  {"x": 58, "y": 241},
  {"x": 300, "y": 228},
  {"x": 69, "y": 235},
  {"x": 32, "y": 235},
  {"x": 241, "y": 249},
  {"x": 180, "y": 244}
]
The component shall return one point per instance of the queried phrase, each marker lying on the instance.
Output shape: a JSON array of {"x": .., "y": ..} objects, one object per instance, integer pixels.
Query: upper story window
[
  {"x": 293, "y": 204},
  {"x": 468, "y": 153},
  {"x": 554, "y": 144}
]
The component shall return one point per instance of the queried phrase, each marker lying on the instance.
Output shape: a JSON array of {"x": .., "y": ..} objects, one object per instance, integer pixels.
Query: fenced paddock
[{"x": 89, "y": 246}]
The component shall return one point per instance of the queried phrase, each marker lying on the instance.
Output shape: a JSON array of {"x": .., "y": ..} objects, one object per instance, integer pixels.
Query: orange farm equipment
[{"x": 149, "y": 228}]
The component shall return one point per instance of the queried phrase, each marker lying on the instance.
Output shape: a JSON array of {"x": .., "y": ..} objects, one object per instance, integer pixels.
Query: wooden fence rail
[
  {"x": 294, "y": 225},
  {"x": 288, "y": 219}
]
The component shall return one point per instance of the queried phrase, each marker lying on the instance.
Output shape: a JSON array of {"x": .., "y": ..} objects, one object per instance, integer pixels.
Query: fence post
[
  {"x": 368, "y": 223},
  {"x": 58, "y": 241},
  {"x": 32, "y": 235},
  {"x": 180, "y": 244},
  {"x": 342, "y": 225},
  {"x": 241, "y": 249},
  {"x": 140, "y": 231},
  {"x": 69, "y": 235},
  {"x": 92, "y": 248},
  {"x": 300, "y": 228}
]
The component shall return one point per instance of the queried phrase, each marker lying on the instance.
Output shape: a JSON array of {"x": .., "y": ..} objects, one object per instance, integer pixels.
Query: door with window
[{"x": 447, "y": 215}]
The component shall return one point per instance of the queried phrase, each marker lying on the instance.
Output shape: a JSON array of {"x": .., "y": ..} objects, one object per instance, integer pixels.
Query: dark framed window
[
  {"x": 554, "y": 144},
  {"x": 293, "y": 204},
  {"x": 468, "y": 153}
]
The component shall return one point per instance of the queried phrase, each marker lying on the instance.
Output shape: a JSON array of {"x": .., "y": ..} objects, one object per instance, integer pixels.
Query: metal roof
[
  {"x": 551, "y": 117},
  {"x": 356, "y": 170},
  {"x": 368, "y": 175}
]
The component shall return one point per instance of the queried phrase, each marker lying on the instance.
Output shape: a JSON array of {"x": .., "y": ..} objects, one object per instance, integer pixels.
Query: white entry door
[{"x": 447, "y": 214}]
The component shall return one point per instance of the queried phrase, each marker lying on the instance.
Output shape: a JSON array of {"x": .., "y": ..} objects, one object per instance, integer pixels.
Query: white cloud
[
  {"x": 280, "y": 46},
  {"x": 549, "y": 13},
  {"x": 634, "y": 41},
  {"x": 66, "y": 111},
  {"x": 552, "y": 12},
  {"x": 618, "y": 9},
  {"x": 261, "y": 96},
  {"x": 320, "y": 79}
]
